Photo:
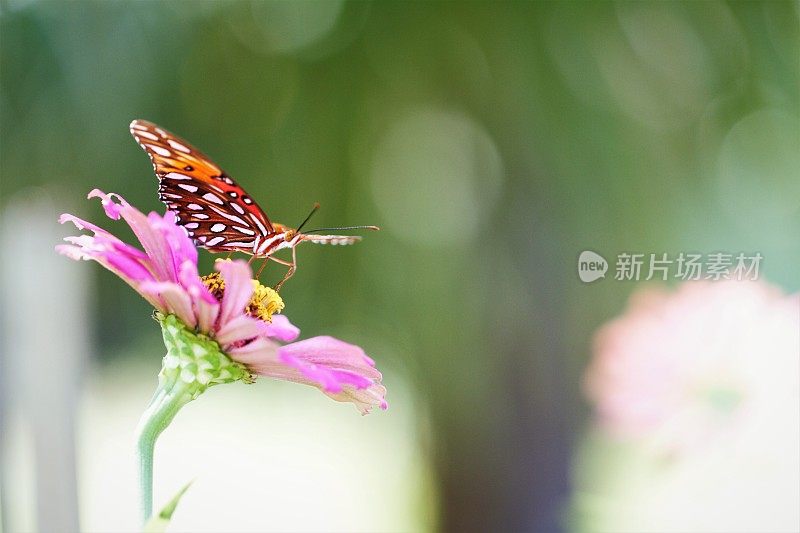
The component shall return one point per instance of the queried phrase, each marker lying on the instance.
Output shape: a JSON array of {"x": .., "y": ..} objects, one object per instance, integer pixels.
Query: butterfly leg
[
  {"x": 264, "y": 264},
  {"x": 292, "y": 268}
]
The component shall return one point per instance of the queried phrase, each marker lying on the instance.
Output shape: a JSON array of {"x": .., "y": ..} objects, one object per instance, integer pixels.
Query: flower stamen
[{"x": 263, "y": 304}]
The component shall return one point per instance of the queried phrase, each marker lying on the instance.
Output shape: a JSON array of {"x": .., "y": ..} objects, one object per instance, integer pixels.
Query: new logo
[{"x": 591, "y": 266}]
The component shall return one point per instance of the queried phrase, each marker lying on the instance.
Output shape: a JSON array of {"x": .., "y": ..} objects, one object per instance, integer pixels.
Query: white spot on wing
[
  {"x": 195, "y": 207},
  {"x": 177, "y": 176},
  {"x": 246, "y": 231},
  {"x": 146, "y": 134},
  {"x": 200, "y": 216},
  {"x": 229, "y": 216},
  {"x": 178, "y": 146},
  {"x": 261, "y": 227},
  {"x": 160, "y": 151},
  {"x": 216, "y": 228},
  {"x": 236, "y": 207},
  {"x": 215, "y": 241},
  {"x": 187, "y": 187},
  {"x": 213, "y": 198},
  {"x": 192, "y": 225}
]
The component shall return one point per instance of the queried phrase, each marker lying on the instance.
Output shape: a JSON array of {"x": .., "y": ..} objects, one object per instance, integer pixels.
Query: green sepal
[{"x": 195, "y": 359}]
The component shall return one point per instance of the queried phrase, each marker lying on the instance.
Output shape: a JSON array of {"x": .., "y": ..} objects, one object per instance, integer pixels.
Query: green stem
[
  {"x": 170, "y": 396},
  {"x": 193, "y": 363}
]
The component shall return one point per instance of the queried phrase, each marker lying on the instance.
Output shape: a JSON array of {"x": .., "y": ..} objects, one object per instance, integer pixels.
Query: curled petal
[
  {"x": 111, "y": 208},
  {"x": 364, "y": 399},
  {"x": 149, "y": 236},
  {"x": 165, "y": 273}
]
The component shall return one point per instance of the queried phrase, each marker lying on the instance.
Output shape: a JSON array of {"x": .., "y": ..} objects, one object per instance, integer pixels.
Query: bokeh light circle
[
  {"x": 435, "y": 175},
  {"x": 759, "y": 166},
  {"x": 288, "y": 27}
]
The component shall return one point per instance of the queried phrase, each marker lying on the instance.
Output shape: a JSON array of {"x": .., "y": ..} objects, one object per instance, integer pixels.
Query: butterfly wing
[{"x": 215, "y": 211}]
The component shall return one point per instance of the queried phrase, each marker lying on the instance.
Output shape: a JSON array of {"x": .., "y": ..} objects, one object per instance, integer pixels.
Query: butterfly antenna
[
  {"x": 343, "y": 228},
  {"x": 313, "y": 210}
]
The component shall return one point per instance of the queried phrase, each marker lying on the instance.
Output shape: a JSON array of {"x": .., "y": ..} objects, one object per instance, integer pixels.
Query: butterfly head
[{"x": 285, "y": 237}]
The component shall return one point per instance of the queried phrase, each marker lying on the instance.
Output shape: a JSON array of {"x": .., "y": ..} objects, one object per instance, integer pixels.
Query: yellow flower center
[{"x": 263, "y": 304}]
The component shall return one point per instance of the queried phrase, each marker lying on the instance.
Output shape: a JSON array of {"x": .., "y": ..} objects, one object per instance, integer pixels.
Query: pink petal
[
  {"x": 150, "y": 237},
  {"x": 189, "y": 277},
  {"x": 241, "y": 328},
  {"x": 280, "y": 328},
  {"x": 340, "y": 370},
  {"x": 329, "y": 379},
  {"x": 126, "y": 260},
  {"x": 206, "y": 307},
  {"x": 333, "y": 353},
  {"x": 260, "y": 352},
  {"x": 80, "y": 223},
  {"x": 175, "y": 298},
  {"x": 364, "y": 399},
  {"x": 238, "y": 289},
  {"x": 179, "y": 245},
  {"x": 128, "y": 270},
  {"x": 112, "y": 209}
]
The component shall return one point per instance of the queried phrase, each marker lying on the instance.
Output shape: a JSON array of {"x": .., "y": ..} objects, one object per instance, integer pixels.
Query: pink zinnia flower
[
  {"x": 231, "y": 310},
  {"x": 682, "y": 366}
]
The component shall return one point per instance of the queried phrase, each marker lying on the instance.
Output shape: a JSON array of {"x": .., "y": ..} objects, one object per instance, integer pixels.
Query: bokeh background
[{"x": 493, "y": 142}]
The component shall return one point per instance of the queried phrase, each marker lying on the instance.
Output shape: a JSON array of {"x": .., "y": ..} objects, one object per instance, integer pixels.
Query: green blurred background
[{"x": 492, "y": 142}]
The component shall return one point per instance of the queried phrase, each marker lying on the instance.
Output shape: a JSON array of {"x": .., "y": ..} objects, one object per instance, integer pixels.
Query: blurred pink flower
[
  {"x": 233, "y": 309},
  {"x": 678, "y": 365}
]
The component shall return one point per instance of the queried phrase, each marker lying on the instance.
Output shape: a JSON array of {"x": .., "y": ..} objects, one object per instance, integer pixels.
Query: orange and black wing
[{"x": 215, "y": 211}]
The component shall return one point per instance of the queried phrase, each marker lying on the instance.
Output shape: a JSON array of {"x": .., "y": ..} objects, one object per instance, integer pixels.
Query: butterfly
[{"x": 217, "y": 213}]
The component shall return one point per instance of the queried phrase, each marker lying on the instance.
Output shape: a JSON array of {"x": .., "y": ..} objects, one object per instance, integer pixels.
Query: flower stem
[
  {"x": 193, "y": 363},
  {"x": 170, "y": 396}
]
